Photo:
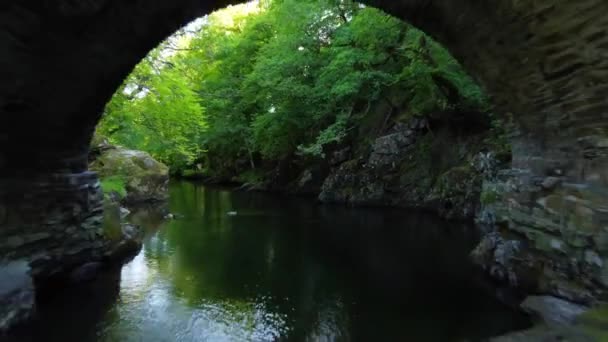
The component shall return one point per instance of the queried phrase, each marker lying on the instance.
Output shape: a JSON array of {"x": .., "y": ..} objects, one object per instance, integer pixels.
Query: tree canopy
[{"x": 270, "y": 80}]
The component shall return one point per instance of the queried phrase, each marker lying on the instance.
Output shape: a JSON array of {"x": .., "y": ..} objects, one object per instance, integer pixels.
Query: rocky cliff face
[
  {"x": 557, "y": 229},
  {"x": 420, "y": 163},
  {"x": 57, "y": 227}
]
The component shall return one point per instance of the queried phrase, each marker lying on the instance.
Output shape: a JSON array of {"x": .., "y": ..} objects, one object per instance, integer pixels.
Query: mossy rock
[
  {"x": 145, "y": 179},
  {"x": 457, "y": 192},
  {"x": 595, "y": 322}
]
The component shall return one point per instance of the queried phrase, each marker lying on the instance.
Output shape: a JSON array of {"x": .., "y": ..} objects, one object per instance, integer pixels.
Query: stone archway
[{"x": 543, "y": 62}]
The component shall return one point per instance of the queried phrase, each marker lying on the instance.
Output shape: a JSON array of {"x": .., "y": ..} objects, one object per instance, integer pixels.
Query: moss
[
  {"x": 134, "y": 175},
  {"x": 489, "y": 196},
  {"x": 127, "y": 163},
  {"x": 418, "y": 169},
  {"x": 595, "y": 322},
  {"x": 498, "y": 140},
  {"x": 114, "y": 184},
  {"x": 455, "y": 181},
  {"x": 191, "y": 173},
  {"x": 112, "y": 229}
]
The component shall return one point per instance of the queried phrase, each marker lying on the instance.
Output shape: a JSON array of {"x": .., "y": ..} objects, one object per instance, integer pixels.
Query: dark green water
[{"x": 284, "y": 269}]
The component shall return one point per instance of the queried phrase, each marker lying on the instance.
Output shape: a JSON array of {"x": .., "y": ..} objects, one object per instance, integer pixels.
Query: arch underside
[{"x": 543, "y": 62}]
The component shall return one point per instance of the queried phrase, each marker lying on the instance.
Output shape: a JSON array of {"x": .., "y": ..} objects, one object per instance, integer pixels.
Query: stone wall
[
  {"x": 559, "y": 229},
  {"x": 54, "y": 222}
]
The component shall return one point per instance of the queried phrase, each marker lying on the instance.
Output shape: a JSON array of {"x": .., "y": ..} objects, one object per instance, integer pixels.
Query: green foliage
[
  {"x": 498, "y": 140},
  {"x": 334, "y": 133},
  {"x": 275, "y": 79},
  {"x": 435, "y": 81},
  {"x": 114, "y": 184},
  {"x": 157, "y": 110}
]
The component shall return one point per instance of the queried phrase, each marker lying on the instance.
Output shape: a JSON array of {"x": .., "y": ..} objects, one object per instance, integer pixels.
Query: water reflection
[{"x": 285, "y": 269}]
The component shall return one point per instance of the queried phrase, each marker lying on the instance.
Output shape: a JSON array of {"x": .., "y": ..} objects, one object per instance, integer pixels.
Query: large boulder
[{"x": 144, "y": 178}]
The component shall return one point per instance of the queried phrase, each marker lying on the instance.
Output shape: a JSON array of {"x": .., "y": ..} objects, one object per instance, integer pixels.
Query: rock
[
  {"x": 388, "y": 149},
  {"x": 547, "y": 334},
  {"x": 558, "y": 245},
  {"x": 128, "y": 244},
  {"x": 354, "y": 184},
  {"x": 339, "y": 157},
  {"x": 456, "y": 193},
  {"x": 145, "y": 178},
  {"x": 124, "y": 212},
  {"x": 85, "y": 273},
  {"x": 486, "y": 164},
  {"x": 550, "y": 183},
  {"x": 553, "y": 311},
  {"x": 17, "y": 298},
  {"x": 15, "y": 242},
  {"x": 173, "y": 216},
  {"x": 310, "y": 180},
  {"x": 418, "y": 123},
  {"x": 305, "y": 178},
  {"x": 495, "y": 255},
  {"x": 593, "y": 259},
  {"x": 412, "y": 168},
  {"x": 132, "y": 232},
  {"x": 603, "y": 276}
]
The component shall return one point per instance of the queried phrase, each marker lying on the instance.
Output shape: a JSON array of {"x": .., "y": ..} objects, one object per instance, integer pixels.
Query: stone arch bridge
[{"x": 544, "y": 62}]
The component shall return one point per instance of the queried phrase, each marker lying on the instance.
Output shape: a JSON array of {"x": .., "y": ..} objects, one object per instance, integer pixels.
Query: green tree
[{"x": 273, "y": 80}]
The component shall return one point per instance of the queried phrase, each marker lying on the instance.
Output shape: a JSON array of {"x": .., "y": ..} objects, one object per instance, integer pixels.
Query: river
[{"x": 284, "y": 269}]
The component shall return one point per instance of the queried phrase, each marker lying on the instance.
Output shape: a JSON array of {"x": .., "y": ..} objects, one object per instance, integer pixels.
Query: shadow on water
[{"x": 284, "y": 269}]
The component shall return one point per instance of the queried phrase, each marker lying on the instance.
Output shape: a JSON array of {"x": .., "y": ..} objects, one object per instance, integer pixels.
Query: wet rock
[
  {"x": 131, "y": 232},
  {"x": 128, "y": 244},
  {"x": 553, "y": 311},
  {"x": 17, "y": 300}
]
